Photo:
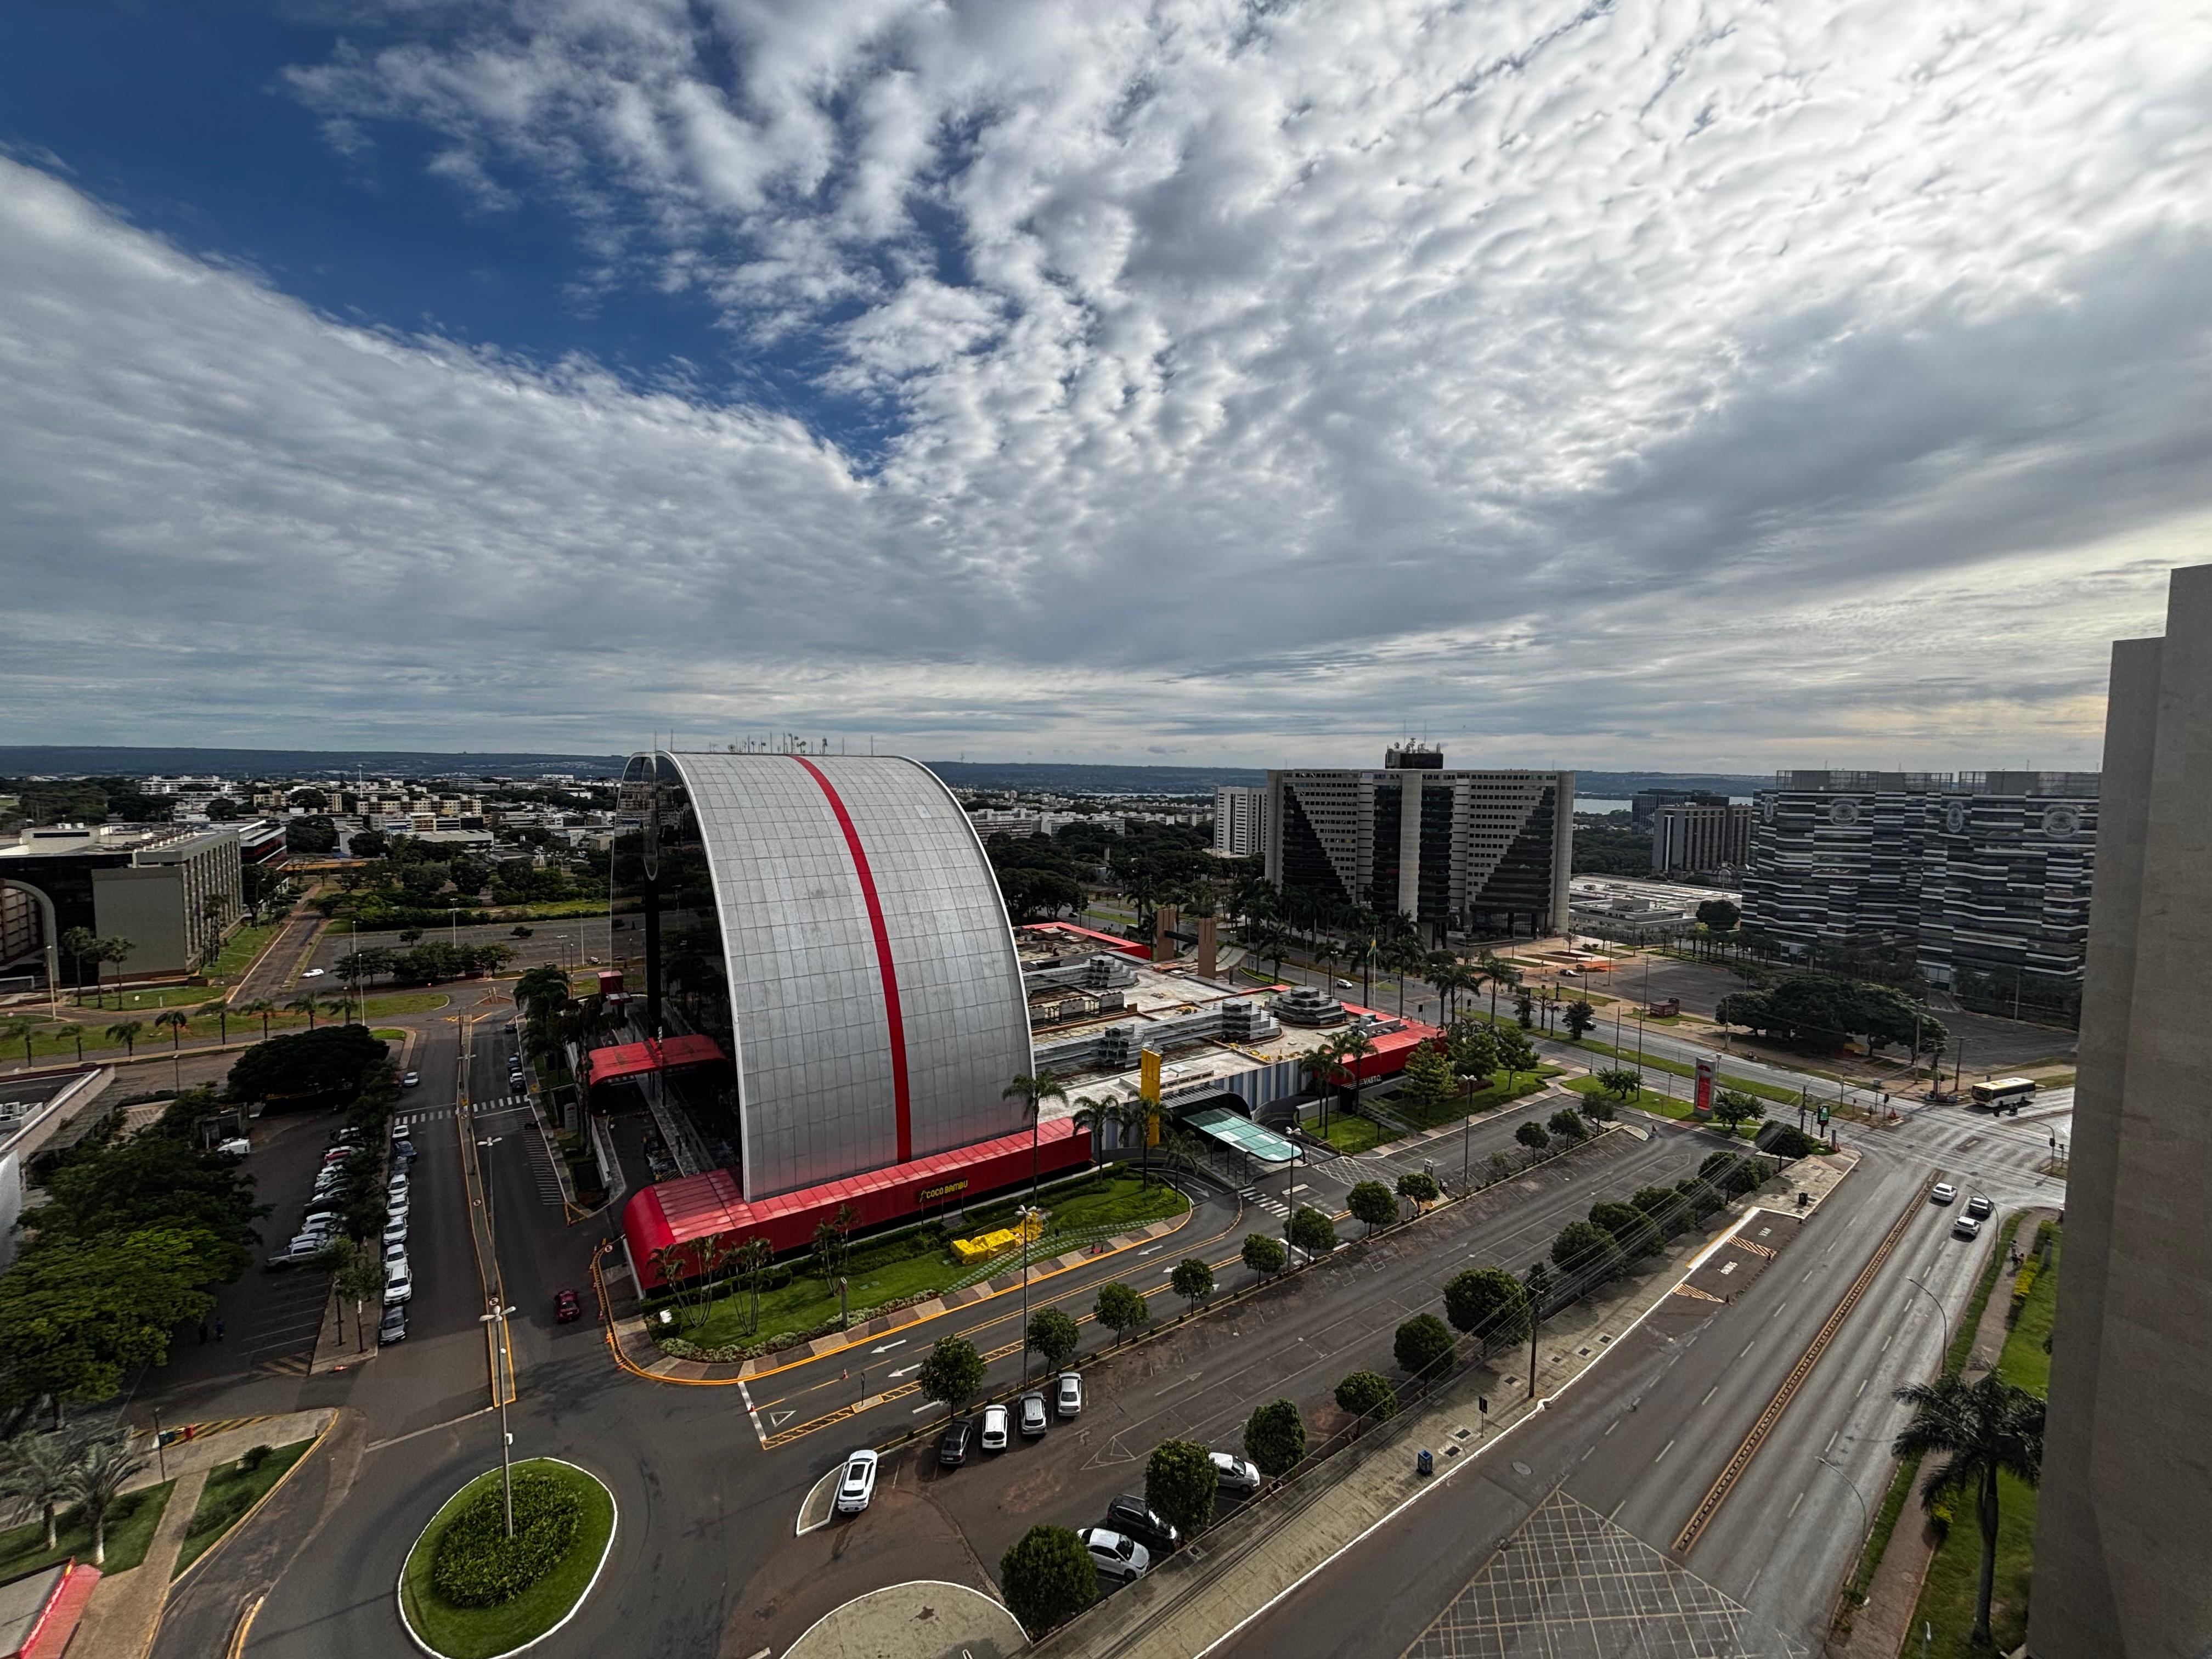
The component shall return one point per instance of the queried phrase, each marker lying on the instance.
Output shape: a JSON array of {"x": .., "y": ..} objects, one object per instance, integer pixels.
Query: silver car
[
  {"x": 1035, "y": 1421},
  {"x": 1115, "y": 1556},
  {"x": 1068, "y": 1397}
]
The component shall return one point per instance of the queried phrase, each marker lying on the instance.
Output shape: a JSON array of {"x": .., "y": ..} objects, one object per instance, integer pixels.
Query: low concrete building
[
  {"x": 172, "y": 891},
  {"x": 2126, "y": 1505}
]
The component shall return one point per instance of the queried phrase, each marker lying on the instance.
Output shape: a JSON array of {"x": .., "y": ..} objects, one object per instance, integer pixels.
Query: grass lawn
[
  {"x": 130, "y": 1526},
  {"x": 153, "y": 998},
  {"x": 1650, "y": 1100},
  {"x": 240, "y": 950},
  {"x": 1349, "y": 1133},
  {"x": 389, "y": 1034},
  {"x": 480, "y": 1632},
  {"x": 1485, "y": 1099},
  {"x": 914, "y": 1264},
  {"x": 393, "y": 1004},
  {"x": 1947, "y": 1599},
  {"x": 554, "y": 911},
  {"x": 1684, "y": 1068},
  {"x": 231, "y": 1490}
]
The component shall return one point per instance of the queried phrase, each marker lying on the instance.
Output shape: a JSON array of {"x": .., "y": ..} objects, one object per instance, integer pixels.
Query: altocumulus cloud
[{"x": 1726, "y": 384}]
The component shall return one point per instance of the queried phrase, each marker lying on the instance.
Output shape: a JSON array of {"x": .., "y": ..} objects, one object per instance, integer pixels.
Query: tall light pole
[
  {"x": 1866, "y": 1519},
  {"x": 496, "y": 1332},
  {"x": 1940, "y": 1312},
  {"x": 1022, "y": 1219}
]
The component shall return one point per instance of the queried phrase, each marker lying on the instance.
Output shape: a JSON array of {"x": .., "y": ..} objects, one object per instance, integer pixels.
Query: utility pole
[{"x": 1540, "y": 1284}]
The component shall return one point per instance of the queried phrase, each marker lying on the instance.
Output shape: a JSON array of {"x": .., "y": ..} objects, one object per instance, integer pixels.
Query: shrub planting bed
[{"x": 469, "y": 1592}]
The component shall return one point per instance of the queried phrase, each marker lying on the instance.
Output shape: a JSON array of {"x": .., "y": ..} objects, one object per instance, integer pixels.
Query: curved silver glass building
[{"x": 832, "y": 922}]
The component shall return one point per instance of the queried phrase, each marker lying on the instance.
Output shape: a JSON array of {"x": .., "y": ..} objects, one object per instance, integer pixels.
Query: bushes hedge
[{"x": 477, "y": 1565}]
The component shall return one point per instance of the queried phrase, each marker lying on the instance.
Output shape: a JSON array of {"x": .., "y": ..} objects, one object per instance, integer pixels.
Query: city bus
[{"x": 2004, "y": 1093}]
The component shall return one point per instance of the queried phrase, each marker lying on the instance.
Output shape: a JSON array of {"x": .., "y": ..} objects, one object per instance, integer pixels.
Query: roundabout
[{"x": 470, "y": 1591}]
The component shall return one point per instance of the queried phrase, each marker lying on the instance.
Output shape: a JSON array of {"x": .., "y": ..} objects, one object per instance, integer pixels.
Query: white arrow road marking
[
  {"x": 908, "y": 1371},
  {"x": 887, "y": 1347}
]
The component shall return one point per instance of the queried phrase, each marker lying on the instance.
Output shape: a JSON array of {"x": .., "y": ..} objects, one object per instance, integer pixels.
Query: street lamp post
[
  {"x": 1940, "y": 1312},
  {"x": 499, "y": 1399},
  {"x": 1866, "y": 1518},
  {"x": 1022, "y": 1220}
]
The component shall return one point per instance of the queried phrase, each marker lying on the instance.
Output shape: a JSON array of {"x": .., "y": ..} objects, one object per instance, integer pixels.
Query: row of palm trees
[
  {"x": 177, "y": 1021},
  {"x": 44, "y": 1472}
]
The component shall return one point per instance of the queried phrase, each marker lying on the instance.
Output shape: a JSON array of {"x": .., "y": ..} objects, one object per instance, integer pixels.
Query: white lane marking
[
  {"x": 908, "y": 1371},
  {"x": 887, "y": 1347},
  {"x": 1861, "y": 1389},
  {"x": 1611, "y": 1426},
  {"x": 1663, "y": 1450},
  {"x": 1793, "y": 1508},
  {"x": 1748, "y": 1347},
  {"x": 1710, "y": 1393},
  {"x": 926, "y": 1406}
]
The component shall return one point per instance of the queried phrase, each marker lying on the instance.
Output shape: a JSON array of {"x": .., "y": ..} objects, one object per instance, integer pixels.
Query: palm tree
[
  {"x": 1495, "y": 972},
  {"x": 222, "y": 1020},
  {"x": 1033, "y": 1090},
  {"x": 127, "y": 1032},
  {"x": 303, "y": 1006},
  {"x": 83, "y": 945},
  {"x": 1989, "y": 1428},
  {"x": 752, "y": 1257},
  {"x": 37, "y": 1470},
  {"x": 262, "y": 1006},
  {"x": 668, "y": 1261},
  {"x": 97, "y": 1481},
  {"x": 1094, "y": 1115},
  {"x": 1354, "y": 1046}
]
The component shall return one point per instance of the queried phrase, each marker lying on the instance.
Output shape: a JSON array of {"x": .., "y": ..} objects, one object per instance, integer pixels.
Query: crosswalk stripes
[
  {"x": 1253, "y": 1195},
  {"x": 541, "y": 1170}
]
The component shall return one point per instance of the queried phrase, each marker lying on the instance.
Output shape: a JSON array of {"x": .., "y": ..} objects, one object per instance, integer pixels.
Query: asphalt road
[{"x": 1642, "y": 1435}]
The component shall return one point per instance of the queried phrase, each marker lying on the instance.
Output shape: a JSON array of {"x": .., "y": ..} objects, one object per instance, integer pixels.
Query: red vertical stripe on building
[{"x": 884, "y": 970}]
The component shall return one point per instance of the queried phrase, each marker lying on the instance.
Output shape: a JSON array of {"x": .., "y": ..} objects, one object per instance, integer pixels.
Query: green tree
[
  {"x": 951, "y": 1374},
  {"x": 75, "y": 1316},
  {"x": 83, "y": 944},
  {"x": 315, "y": 834},
  {"x": 307, "y": 1067},
  {"x": 1515, "y": 1054},
  {"x": 1275, "y": 1437},
  {"x": 1588, "y": 1253},
  {"x": 1474, "y": 1051},
  {"x": 154, "y": 1180},
  {"x": 1423, "y": 1347},
  {"x": 1192, "y": 1280},
  {"x": 360, "y": 1281},
  {"x": 1981, "y": 1429},
  {"x": 1531, "y": 1134},
  {"x": 1430, "y": 1083},
  {"x": 1033, "y": 1089},
  {"x": 750, "y": 1260},
  {"x": 1091, "y": 1116},
  {"x": 127, "y": 1032},
  {"x": 1623, "y": 1083},
  {"x": 1580, "y": 1017},
  {"x": 98, "y": 1479},
  {"x": 37, "y": 1471},
  {"x": 1311, "y": 1231},
  {"x": 1180, "y": 1484},
  {"x": 1636, "y": 1233},
  {"x": 1372, "y": 1202},
  {"x": 1732, "y": 1106},
  {"x": 1264, "y": 1255},
  {"x": 1418, "y": 1188},
  {"x": 1666, "y": 1208},
  {"x": 1047, "y": 1578},
  {"x": 1120, "y": 1310},
  {"x": 1719, "y": 915},
  {"x": 1487, "y": 1303},
  {"x": 1365, "y": 1393},
  {"x": 1053, "y": 1335},
  {"x": 1567, "y": 1124},
  {"x": 1596, "y": 1108}
]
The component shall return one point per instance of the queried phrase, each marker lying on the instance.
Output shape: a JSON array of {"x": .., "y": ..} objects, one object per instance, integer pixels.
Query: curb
[
  {"x": 885, "y": 1589},
  {"x": 614, "y": 1526},
  {"x": 231, "y": 1531}
]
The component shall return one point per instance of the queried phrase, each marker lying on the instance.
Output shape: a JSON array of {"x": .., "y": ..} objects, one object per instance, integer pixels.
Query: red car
[{"x": 566, "y": 1309}]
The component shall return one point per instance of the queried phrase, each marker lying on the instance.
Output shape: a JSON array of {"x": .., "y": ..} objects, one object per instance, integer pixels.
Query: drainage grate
[{"x": 1461, "y": 1434}]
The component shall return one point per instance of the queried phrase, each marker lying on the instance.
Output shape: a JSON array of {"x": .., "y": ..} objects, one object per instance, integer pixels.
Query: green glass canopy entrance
[{"x": 1239, "y": 1133}]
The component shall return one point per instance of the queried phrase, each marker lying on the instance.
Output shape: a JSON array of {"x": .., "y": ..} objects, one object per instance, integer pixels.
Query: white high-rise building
[{"x": 1240, "y": 821}]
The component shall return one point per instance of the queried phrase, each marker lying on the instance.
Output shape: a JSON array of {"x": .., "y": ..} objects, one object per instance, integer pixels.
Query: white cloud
[{"x": 1744, "y": 384}]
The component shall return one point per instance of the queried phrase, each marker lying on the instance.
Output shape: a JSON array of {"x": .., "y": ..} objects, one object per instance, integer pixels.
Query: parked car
[
  {"x": 395, "y": 1228},
  {"x": 403, "y": 1151},
  {"x": 566, "y": 1310},
  {"x": 1114, "y": 1556},
  {"x": 399, "y": 1132},
  {"x": 993, "y": 1438},
  {"x": 1132, "y": 1518},
  {"x": 398, "y": 1284},
  {"x": 1941, "y": 1193},
  {"x": 394, "y": 1327},
  {"x": 397, "y": 1184},
  {"x": 1034, "y": 1419},
  {"x": 952, "y": 1444},
  {"x": 1067, "y": 1397},
  {"x": 235, "y": 1148},
  {"x": 409, "y": 1080},
  {"x": 1966, "y": 1227},
  {"x": 394, "y": 1253},
  {"x": 1978, "y": 1206},
  {"x": 1234, "y": 1474},
  {"x": 285, "y": 1259},
  {"x": 348, "y": 1136},
  {"x": 859, "y": 1484},
  {"x": 312, "y": 973}
]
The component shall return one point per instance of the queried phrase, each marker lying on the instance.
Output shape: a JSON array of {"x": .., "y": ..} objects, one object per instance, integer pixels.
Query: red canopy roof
[
  {"x": 1128, "y": 947},
  {"x": 655, "y": 1055}
]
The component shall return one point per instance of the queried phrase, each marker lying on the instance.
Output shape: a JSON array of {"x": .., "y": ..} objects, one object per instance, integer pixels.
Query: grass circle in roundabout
[{"x": 444, "y": 1628}]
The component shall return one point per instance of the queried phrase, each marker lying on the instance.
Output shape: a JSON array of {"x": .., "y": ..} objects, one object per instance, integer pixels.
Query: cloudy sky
[{"x": 1657, "y": 385}]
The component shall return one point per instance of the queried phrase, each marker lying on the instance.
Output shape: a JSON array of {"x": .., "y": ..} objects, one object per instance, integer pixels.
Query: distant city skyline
[{"x": 1758, "y": 388}]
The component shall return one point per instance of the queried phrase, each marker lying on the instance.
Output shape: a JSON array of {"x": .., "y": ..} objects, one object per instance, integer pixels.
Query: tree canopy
[
  {"x": 951, "y": 1373},
  {"x": 308, "y": 1066},
  {"x": 1275, "y": 1437},
  {"x": 1488, "y": 1302},
  {"x": 76, "y": 1313},
  {"x": 1180, "y": 1485},
  {"x": 1422, "y": 1346},
  {"x": 1823, "y": 1011},
  {"x": 1047, "y": 1578}
]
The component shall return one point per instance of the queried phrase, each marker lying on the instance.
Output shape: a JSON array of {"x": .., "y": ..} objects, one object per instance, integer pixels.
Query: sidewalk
[
  {"x": 1268, "y": 1547},
  {"x": 125, "y": 1610},
  {"x": 635, "y": 1351},
  {"x": 927, "y": 1618}
]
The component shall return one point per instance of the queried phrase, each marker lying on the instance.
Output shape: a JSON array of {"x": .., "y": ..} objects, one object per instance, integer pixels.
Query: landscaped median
[{"x": 469, "y": 1591}]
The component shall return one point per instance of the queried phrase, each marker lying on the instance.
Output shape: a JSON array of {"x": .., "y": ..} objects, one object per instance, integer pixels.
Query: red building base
[{"x": 686, "y": 1213}]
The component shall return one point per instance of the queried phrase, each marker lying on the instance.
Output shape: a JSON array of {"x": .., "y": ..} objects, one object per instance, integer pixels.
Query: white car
[
  {"x": 235, "y": 1148},
  {"x": 312, "y": 973},
  {"x": 1114, "y": 1556},
  {"x": 1234, "y": 1474},
  {"x": 398, "y": 1284},
  {"x": 1345, "y": 985},
  {"x": 857, "y": 1484},
  {"x": 394, "y": 1253},
  {"x": 395, "y": 1228},
  {"x": 994, "y": 1428},
  {"x": 1941, "y": 1193},
  {"x": 1067, "y": 1397}
]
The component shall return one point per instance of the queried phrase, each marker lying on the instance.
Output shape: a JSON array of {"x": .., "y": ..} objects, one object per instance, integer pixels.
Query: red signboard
[{"x": 1705, "y": 1094}]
